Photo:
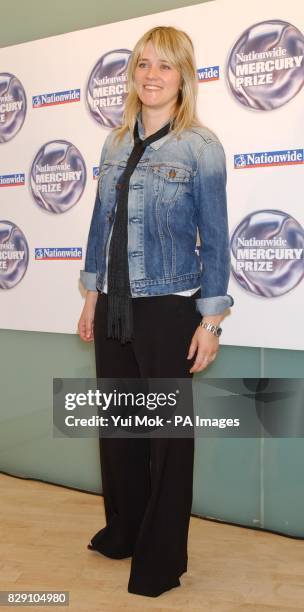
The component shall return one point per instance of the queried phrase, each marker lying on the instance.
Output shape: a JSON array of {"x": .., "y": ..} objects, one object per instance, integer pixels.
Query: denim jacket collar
[{"x": 158, "y": 143}]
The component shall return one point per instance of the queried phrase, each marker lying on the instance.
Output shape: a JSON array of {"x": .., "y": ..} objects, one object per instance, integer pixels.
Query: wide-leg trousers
[{"x": 147, "y": 482}]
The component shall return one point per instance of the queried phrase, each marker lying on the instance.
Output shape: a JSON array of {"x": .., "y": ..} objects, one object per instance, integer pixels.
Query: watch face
[{"x": 219, "y": 331}]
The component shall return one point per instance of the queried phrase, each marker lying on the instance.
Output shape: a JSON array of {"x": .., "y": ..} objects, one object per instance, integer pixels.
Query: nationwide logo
[
  {"x": 209, "y": 73},
  {"x": 58, "y": 97},
  {"x": 95, "y": 173},
  {"x": 12, "y": 180},
  {"x": 51, "y": 253},
  {"x": 286, "y": 157}
]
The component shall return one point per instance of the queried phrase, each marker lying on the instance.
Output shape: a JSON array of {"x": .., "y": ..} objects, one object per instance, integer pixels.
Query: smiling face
[{"x": 157, "y": 81}]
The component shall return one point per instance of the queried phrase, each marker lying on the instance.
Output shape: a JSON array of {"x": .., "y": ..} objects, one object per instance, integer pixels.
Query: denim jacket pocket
[{"x": 170, "y": 181}]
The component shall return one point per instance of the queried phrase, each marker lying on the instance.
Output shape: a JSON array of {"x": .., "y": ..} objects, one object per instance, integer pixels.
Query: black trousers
[{"x": 147, "y": 482}]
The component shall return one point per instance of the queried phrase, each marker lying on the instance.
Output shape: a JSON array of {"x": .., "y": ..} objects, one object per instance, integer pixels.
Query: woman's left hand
[{"x": 206, "y": 345}]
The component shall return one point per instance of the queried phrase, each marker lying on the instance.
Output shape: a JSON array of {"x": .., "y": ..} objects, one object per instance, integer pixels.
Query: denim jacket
[{"x": 178, "y": 189}]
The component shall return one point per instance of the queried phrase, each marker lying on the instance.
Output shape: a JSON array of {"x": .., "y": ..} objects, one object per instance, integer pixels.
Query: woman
[{"x": 154, "y": 300}]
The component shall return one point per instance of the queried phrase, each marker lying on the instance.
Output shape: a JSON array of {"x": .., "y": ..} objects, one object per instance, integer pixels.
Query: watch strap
[{"x": 214, "y": 329}]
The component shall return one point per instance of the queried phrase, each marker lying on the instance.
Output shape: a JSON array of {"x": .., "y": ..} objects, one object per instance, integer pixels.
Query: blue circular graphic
[
  {"x": 265, "y": 67},
  {"x": 267, "y": 250},
  {"x": 14, "y": 255},
  {"x": 107, "y": 87},
  {"x": 12, "y": 106},
  {"x": 58, "y": 176}
]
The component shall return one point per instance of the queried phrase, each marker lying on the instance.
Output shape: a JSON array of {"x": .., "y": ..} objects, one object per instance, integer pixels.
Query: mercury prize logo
[
  {"x": 265, "y": 67},
  {"x": 107, "y": 88},
  {"x": 58, "y": 176},
  {"x": 267, "y": 250},
  {"x": 14, "y": 255},
  {"x": 12, "y": 106}
]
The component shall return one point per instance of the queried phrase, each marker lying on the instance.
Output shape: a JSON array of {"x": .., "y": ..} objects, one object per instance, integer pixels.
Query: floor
[{"x": 44, "y": 531}]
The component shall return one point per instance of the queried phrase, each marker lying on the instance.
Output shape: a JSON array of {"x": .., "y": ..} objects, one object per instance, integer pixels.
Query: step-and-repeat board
[{"x": 60, "y": 96}]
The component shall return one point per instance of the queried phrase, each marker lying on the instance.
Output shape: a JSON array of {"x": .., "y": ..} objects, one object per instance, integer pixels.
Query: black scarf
[{"x": 120, "y": 316}]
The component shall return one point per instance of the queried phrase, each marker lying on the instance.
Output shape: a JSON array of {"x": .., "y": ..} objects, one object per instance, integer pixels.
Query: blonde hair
[{"x": 176, "y": 47}]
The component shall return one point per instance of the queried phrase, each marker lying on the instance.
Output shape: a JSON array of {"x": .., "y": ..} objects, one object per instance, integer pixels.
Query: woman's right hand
[{"x": 86, "y": 321}]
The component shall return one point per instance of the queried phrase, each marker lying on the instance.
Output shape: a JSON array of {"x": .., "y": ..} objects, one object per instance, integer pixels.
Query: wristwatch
[{"x": 214, "y": 329}]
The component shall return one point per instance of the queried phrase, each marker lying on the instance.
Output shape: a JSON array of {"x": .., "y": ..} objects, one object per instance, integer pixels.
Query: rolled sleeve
[
  {"x": 214, "y": 305},
  {"x": 88, "y": 280},
  {"x": 212, "y": 222}
]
